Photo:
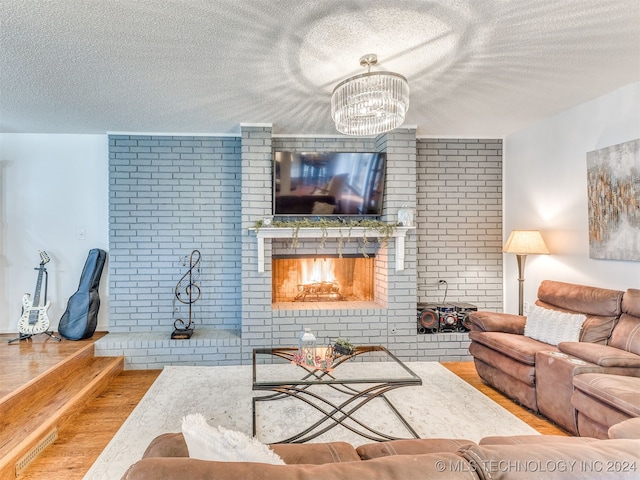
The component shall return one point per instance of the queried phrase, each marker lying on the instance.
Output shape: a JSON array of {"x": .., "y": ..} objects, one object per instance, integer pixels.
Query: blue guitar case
[{"x": 80, "y": 319}]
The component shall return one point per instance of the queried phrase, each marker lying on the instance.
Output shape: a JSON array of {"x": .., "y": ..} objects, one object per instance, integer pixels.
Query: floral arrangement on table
[
  {"x": 320, "y": 358},
  {"x": 314, "y": 358}
]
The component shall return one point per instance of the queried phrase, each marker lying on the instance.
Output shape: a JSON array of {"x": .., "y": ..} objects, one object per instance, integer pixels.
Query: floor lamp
[{"x": 523, "y": 243}]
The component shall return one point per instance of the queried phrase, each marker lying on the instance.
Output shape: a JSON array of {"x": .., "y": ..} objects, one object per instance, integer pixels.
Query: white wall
[
  {"x": 51, "y": 187},
  {"x": 545, "y": 188}
]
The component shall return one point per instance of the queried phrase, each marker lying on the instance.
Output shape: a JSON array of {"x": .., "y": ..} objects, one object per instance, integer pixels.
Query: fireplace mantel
[{"x": 332, "y": 232}]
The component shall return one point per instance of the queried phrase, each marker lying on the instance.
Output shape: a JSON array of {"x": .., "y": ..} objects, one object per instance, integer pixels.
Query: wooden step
[
  {"x": 22, "y": 383},
  {"x": 31, "y": 414},
  {"x": 21, "y": 362}
]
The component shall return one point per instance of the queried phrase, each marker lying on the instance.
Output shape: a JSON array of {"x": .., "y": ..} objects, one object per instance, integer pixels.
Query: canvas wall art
[{"x": 613, "y": 175}]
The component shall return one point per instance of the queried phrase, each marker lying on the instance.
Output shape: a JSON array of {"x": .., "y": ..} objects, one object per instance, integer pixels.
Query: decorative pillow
[
  {"x": 205, "y": 442},
  {"x": 321, "y": 208},
  {"x": 552, "y": 326}
]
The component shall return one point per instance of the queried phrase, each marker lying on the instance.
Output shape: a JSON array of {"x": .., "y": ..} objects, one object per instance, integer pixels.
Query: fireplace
[{"x": 323, "y": 278}]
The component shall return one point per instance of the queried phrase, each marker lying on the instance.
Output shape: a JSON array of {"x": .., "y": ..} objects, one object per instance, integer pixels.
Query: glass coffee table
[{"x": 337, "y": 393}]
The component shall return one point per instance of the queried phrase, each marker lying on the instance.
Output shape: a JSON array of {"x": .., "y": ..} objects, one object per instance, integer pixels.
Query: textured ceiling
[{"x": 475, "y": 67}]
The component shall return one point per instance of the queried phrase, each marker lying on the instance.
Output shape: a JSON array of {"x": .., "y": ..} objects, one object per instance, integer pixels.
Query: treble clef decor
[{"x": 188, "y": 292}]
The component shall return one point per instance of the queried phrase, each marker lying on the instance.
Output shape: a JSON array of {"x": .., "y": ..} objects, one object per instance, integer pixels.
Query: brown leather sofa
[
  {"x": 496, "y": 458},
  {"x": 602, "y": 399},
  {"x": 558, "y": 381}
]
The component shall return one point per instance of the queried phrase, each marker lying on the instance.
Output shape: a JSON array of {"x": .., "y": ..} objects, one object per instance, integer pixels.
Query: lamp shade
[{"x": 525, "y": 242}]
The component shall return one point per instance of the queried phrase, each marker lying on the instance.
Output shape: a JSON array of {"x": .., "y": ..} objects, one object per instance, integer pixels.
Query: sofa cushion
[
  {"x": 584, "y": 461},
  {"x": 618, "y": 391},
  {"x": 315, "y": 453},
  {"x": 410, "y": 447},
  {"x": 595, "y": 329},
  {"x": 626, "y": 335},
  {"x": 602, "y": 307},
  {"x": 602, "y": 355},
  {"x": 522, "y": 391},
  {"x": 631, "y": 302},
  {"x": 580, "y": 298},
  {"x": 518, "y": 347},
  {"x": 595, "y": 417},
  {"x": 435, "y": 465},
  {"x": 533, "y": 439},
  {"x": 552, "y": 326},
  {"x": 587, "y": 426}
]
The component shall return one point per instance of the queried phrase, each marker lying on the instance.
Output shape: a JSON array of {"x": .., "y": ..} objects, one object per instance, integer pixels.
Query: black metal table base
[
  {"x": 337, "y": 414},
  {"x": 334, "y": 413}
]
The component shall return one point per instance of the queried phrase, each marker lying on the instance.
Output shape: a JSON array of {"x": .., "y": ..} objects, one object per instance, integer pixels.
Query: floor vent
[{"x": 36, "y": 450}]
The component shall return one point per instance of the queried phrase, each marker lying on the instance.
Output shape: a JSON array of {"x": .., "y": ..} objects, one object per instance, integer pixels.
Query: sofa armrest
[
  {"x": 497, "y": 322},
  {"x": 602, "y": 355},
  {"x": 167, "y": 445},
  {"x": 627, "y": 429}
]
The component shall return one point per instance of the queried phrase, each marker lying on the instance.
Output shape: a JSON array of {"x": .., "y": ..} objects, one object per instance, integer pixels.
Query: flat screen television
[{"x": 328, "y": 184}]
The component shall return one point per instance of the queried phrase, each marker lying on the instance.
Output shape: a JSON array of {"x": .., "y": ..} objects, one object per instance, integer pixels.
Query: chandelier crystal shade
[{"x": 370, "y": 103}]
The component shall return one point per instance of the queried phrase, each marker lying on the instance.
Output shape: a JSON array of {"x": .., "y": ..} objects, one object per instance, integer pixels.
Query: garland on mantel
[{"x": 385, "y": 230}]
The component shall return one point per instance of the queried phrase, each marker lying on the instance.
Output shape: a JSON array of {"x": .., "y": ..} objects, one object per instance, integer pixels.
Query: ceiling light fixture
[{"x": 370, "y": 103}]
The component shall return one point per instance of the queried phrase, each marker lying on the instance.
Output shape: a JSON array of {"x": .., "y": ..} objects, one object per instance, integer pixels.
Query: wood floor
[
  {"x": 81, "y": 440},
  {"x": 467, "y": 372},
  {"x": 22, "y": 361}
]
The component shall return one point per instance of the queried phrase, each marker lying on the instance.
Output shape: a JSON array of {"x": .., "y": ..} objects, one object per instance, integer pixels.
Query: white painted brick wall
[
  {"x": 459, "y": 221},
  {"x": 256, "y": 194},
  {"x": 169, "y": 195}
]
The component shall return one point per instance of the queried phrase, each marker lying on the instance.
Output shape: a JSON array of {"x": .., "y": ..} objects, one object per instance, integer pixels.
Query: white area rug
[{"x": 443, "y": 406}]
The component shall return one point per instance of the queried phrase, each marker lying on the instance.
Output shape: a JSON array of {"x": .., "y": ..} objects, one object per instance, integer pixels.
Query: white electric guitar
[{"x": 34, "y": 319}]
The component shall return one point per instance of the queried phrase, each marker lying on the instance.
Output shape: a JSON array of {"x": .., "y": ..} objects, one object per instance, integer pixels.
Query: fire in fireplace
[{"x": 322, "y": 279}]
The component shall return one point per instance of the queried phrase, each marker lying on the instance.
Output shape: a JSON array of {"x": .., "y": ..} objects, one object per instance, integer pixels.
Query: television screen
[{"x": 328, "y": 183}]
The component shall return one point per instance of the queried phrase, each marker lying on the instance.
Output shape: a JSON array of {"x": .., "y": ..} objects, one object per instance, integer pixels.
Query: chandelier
[{"x": 370, "y": 103}]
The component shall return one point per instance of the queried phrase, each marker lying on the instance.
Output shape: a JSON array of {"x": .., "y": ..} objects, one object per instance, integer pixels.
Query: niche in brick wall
[{"x": 310, "y": 278}]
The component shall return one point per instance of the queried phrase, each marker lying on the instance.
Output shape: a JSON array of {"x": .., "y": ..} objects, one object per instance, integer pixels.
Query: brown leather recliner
[
  {"x": 540, "y": 375},
  {"x": 600, "y": 399}
]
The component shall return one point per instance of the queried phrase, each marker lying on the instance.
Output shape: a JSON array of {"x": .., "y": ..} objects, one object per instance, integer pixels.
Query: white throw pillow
[
  {"x": 205, "y": 442},
  {"x": 552, "y": 326}
]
